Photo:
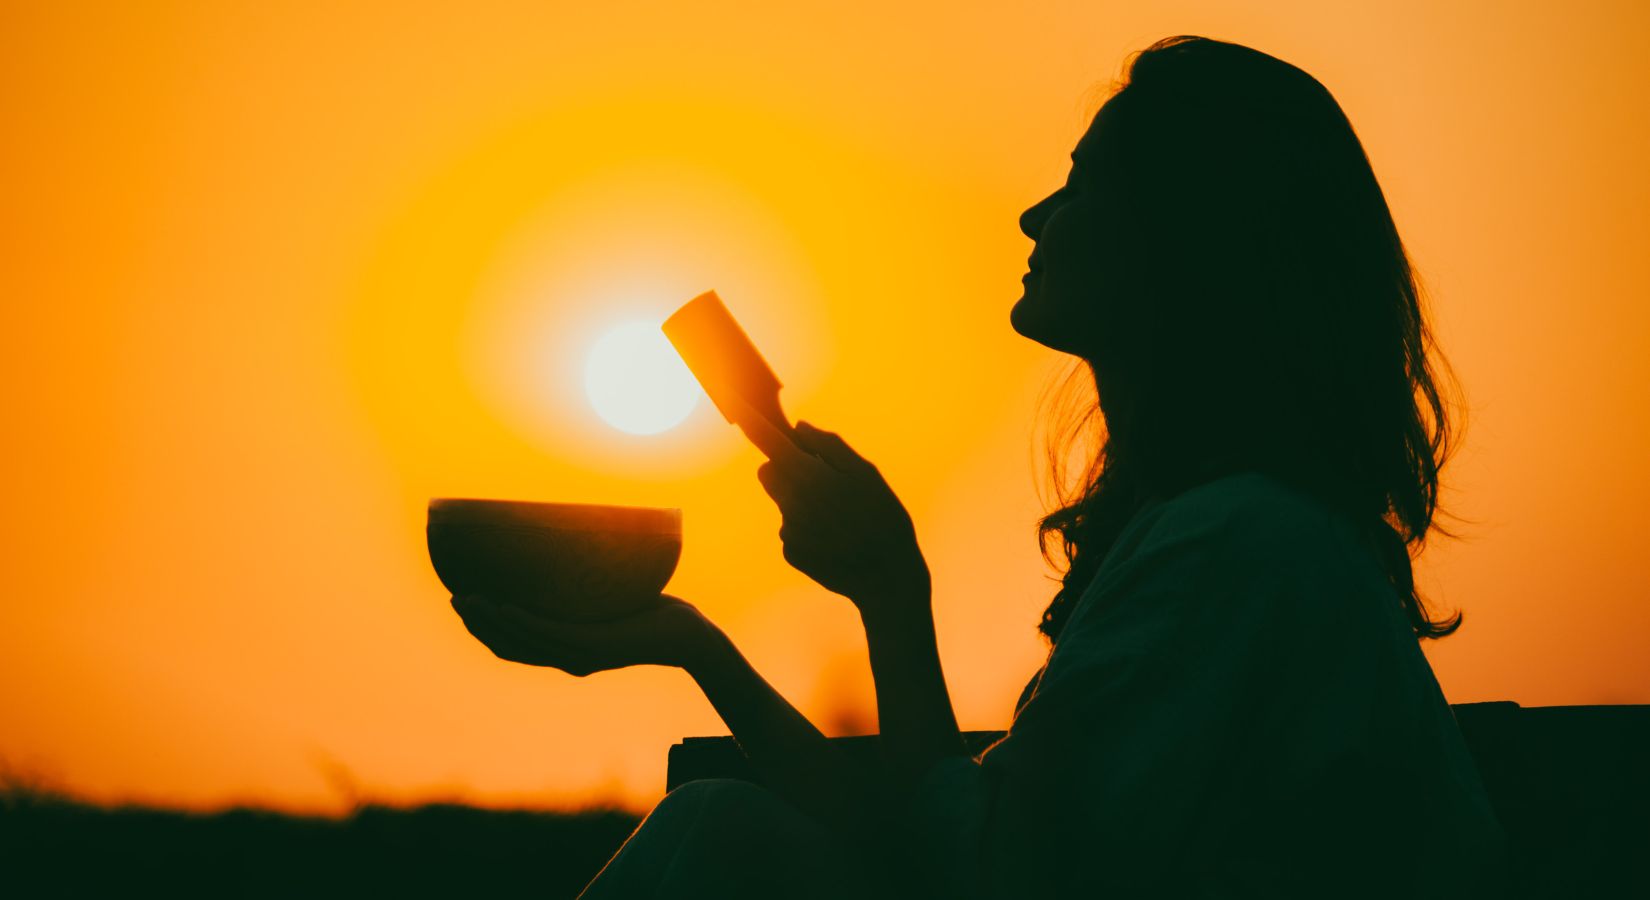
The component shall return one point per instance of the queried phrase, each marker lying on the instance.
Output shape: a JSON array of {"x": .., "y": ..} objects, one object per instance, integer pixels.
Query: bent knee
[
  {"x": 733, "y": 804},
  {"x": 718, "y": 793}
]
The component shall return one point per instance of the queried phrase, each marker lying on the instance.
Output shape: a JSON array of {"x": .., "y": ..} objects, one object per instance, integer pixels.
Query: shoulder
[
  {"x": 1248, "y": 499},
  {"x": 1243, "y": 544},
  {"x": 1248, "y": 516}
]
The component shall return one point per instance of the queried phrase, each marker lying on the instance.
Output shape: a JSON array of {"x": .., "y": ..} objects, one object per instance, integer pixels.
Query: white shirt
[{"x": 1237, "y": 706}]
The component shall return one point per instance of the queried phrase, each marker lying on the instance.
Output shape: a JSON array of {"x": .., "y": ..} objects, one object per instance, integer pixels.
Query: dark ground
[
  {"x": 53, "y": 847},
  {"x": 1571, "y": 786}
]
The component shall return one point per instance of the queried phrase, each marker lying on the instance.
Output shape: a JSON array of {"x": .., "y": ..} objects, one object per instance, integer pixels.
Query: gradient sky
[{"x": 277, "y": 274}]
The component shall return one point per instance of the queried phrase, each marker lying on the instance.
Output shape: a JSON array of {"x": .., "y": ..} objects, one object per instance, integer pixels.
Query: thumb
[{"x": 829, "y": 446}]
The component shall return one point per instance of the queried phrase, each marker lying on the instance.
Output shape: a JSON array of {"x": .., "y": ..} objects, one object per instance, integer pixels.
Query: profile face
[{"x": 1063, "y": 284}]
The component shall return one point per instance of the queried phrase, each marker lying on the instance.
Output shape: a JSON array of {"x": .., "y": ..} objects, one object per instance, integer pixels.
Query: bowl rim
[{"x": 609, "y": 518}]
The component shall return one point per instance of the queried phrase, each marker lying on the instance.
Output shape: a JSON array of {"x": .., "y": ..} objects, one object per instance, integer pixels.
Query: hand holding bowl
[{"x": 572, "y": 562}]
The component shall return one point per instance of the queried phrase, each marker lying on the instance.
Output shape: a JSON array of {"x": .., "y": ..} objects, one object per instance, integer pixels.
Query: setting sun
[
  {"x": 636, "y": 382},
  {"x": 289, "y": 271}
]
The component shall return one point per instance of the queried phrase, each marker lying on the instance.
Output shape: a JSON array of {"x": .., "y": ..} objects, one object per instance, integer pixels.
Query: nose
[{"x": 1031, "y": 221}]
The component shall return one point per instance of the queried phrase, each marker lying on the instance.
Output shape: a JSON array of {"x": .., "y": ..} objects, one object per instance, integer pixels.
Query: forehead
[{"x": 1088, "y": 144}]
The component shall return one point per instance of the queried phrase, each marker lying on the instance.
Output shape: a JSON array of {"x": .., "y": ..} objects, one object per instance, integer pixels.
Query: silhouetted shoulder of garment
[{"x": 1236, "y": 707}]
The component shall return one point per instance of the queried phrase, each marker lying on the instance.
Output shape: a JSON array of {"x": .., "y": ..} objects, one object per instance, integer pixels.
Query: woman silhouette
[{"x": 1235, "y": 702}]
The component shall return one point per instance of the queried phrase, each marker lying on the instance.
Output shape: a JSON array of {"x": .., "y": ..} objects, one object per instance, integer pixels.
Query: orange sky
[{"x": 277, "y": 274}]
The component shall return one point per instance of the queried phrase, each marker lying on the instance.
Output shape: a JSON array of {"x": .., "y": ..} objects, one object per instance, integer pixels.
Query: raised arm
[
  {"x": 793, "y": 757},
  {"x": 844, "y": 528},
  {"x": 913, "y": 705}
]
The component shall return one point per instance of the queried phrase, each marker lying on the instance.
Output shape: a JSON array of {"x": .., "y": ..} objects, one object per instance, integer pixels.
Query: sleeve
[{"x": 1122, "y": 771}]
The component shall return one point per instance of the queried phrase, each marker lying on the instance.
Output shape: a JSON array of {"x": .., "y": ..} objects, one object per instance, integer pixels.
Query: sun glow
[{"x": 636, "y": 382}]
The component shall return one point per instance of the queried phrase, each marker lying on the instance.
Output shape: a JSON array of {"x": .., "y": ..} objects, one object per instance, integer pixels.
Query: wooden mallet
[{"x": 726, "y": 363}]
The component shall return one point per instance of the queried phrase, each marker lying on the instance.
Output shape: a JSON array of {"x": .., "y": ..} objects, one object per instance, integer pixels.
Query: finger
[
  {"x": 774, "y": 443},
  {"x": 509, "y": 625},
  {"x": 484, "y": 626},
  {"x": 780, "y": 488},
  {"x": 531, "y": 639},
  {"x": 801, "y": 533},
  {"x": 564, "y": 638},
  {"x": 829, "y": 446},
  {"x": 483, "y": 623},
  {"x": 801, "y": 556},
  {"x": 538, "y": 626}
]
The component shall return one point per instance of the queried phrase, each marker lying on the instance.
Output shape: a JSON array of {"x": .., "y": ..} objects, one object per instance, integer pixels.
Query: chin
[
  {"x": 1025, "y": 319},
  {"x": 1029, "y": 323},
  {"x": 1016, "y": 318}
]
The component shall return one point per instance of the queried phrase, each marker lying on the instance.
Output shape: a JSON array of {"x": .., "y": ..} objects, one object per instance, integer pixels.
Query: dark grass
[
  {"x": 51, "y": 846},
  {"x": 1571, "y": 786}
]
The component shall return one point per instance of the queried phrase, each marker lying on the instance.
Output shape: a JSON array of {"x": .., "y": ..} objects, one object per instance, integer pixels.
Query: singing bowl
[{"x": 571, "y": 561}]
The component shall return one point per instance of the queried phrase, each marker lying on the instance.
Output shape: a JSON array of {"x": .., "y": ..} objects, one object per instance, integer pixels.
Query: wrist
[
  {"x": 902, "y": 630},
  {"x": 709, "y": 653},
  {"x": 897, "y": 601}
]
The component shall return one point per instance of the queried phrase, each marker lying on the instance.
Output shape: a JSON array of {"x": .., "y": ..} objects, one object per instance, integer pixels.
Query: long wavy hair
[{"x": 1259, "y": 314}]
